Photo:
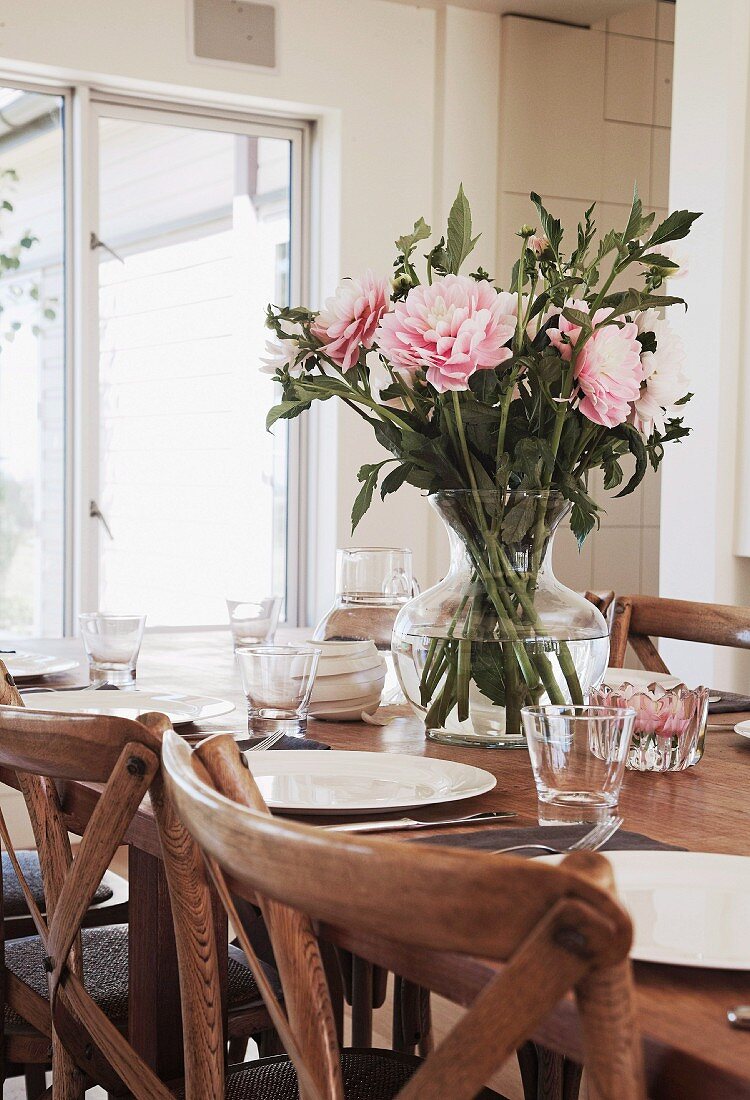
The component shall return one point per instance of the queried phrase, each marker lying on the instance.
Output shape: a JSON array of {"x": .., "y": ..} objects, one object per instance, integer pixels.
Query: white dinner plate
[
  {"x": 638, "y": 677},
  {"x": 130, "y": 702},
  {"x": 743, "y": 729},
  {"x": 688, "y": 908},
  {"x": 357, "y": 782},
  {"x": 22, "y": 665}
]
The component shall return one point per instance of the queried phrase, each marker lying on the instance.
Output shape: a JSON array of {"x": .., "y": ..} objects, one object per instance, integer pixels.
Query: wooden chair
[
  {"x": 550, "y": 930},
  {"x": 638, "y": 619},
  {"x": 66, "y": 991}
]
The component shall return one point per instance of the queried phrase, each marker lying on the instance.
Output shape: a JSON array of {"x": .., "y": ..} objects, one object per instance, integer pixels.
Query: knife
[{"x": 413, "y": 823}]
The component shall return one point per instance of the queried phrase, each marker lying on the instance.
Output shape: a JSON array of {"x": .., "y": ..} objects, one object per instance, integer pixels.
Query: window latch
[
  {"x": 94, "y": 243},
  {"x": 96, "y": 513}
]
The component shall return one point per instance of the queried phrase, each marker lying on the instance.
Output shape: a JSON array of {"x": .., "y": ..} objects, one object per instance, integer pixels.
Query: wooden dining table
[{"x": 691, "y": 1052}]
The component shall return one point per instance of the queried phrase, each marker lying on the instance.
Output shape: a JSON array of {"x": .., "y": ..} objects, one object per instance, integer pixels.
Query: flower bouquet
[{"x": 499, "y": 404}]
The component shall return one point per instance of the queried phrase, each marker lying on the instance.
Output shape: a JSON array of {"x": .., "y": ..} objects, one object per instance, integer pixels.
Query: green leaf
[
  {"x": 637, "y": 447},
  {"x": 518, "y": 520},
  {"x": 409, "y": 241},
  {"x": 633, "y": 227},
  {"x": 460, "y": 242},
  {"x": 673, "y": 228},
  {"x": 582, "y": 522},
  {"x": 487, "y": 671},
  {"x": 551, "y": 227},
  {"x": 368, "y": 475},
  {"x": 395, "y": 479},
  {"x": 577, "y": 317},
  {"x": 285, "y": 410}
]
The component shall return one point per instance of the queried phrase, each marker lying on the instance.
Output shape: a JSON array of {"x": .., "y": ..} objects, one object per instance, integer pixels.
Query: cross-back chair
[
  {"x": 549, "y": 930},
  {"x": 51, "y": 1013},
  {"x": 638, "y": 619}
]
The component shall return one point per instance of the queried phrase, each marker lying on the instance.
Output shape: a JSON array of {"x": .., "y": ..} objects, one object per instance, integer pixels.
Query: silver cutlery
[
  {"x": 739, "y": 1017},
  {"x": 591, "y": 840},
  {"x": 77, "y": 687},
  {"x": 267, "y": 742},
  {"x": 413, "y": 823}
]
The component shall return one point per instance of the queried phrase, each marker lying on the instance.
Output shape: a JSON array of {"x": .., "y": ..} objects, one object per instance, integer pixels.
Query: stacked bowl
[{"x": 349, "y": 680}]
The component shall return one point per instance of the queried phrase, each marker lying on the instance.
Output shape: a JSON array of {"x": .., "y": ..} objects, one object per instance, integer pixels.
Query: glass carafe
[{"x": 373, "y": 583}]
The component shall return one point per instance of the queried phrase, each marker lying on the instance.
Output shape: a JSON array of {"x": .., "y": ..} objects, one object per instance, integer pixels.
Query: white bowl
[{"x": 337, "y": 666}]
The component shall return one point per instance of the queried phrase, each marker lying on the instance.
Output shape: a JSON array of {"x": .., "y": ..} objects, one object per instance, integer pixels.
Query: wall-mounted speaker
[{"x": 234, "y": 32}]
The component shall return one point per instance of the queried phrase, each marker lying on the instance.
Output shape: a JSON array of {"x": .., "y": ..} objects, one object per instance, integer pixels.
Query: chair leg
[
  {"x": 269, "y": 1043},
  {"x": 412, "y": 1023},
  {"x": 36, "y": 1081},
  {"x": 546, "y": 1075},
  {"x": 361, "y": 1002},
  {"x": 236, "y": 1049}
]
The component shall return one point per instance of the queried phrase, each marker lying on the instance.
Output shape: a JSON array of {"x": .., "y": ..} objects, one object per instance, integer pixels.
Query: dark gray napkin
[
  {"x": 285, "y": 743},
  {"x": 728, "y": 702},
  {"x": 556, "y": 836}
]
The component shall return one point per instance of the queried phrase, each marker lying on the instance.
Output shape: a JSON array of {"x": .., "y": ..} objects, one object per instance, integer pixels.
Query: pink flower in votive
[
  {"x": 349, "y": 319},
  {"x": 450, "y": 329}
]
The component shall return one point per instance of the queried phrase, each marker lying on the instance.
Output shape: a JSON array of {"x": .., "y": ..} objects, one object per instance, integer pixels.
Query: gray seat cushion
[
  {"x": 105, "y": 971},
  {"x": 14, "y": 903}
]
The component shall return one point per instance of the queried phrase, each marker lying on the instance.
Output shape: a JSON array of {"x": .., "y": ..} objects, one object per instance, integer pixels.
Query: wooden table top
[{"x": 691, "y": 1050}]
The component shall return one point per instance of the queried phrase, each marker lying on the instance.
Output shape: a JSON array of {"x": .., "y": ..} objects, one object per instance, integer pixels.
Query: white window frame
[{"x": 83, "y": 106}]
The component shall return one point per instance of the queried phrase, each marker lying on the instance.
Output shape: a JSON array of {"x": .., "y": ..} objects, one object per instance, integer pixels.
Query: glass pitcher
[{"x": 373, "y": 583}]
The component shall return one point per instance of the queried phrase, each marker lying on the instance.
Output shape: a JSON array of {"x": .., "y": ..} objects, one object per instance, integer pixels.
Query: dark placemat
[
  {"x": 285, "y": 743},
  {"x": 556, "y": 836},
  {"x": 728, "y": 703}
]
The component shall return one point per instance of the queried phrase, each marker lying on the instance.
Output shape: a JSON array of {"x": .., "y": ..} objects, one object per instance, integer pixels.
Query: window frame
[{"x": 83, "y": 105}]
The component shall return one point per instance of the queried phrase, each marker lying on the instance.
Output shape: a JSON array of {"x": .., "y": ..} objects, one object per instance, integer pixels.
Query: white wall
[
  {"x": 702, "y": 482},
  {"x": 391, "y": 91}
]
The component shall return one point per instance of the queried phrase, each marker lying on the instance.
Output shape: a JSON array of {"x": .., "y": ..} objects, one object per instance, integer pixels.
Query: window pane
[
  {"x": 32, "y": 364},
  {"x": 192, "y": 486}
]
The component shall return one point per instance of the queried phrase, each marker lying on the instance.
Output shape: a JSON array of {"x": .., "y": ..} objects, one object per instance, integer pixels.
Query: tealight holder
[{"x": 669, "y": 730}]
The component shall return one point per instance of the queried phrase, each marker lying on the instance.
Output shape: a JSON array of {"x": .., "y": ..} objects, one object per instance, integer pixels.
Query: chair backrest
[
  {"x": 638, "y": 619},
  {"x": 42, "y": 748},
  {"x": 605, "y": 602},
  {"x": 554, "y": 929}
]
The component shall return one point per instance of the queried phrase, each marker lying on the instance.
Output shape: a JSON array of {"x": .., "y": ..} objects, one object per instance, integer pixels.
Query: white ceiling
[{"x": 567, "y": 11}]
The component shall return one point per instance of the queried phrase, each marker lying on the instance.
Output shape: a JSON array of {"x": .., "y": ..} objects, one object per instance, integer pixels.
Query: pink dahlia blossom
[
  {"x": 450, "y": 329},
  {"x": 608, "y": 373},
  {"x": 664, "y": 381},
  {"x": 349, "y": 319}
]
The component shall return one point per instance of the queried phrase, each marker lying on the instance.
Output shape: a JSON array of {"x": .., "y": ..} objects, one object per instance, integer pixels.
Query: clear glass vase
[{"x": 499, "y": 632}]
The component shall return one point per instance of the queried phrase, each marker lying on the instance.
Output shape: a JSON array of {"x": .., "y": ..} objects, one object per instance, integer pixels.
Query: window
[
  {"x": 32, "y": 363},
  {"x": 189, "y": 223}
]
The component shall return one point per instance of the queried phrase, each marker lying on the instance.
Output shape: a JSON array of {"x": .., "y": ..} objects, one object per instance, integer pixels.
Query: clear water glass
[
  {"x": 277, "y": 681},
  {"x": 254, "y": 621},
  {"x": 578, "y": 756},
  {"x": 112, "y": 644}
]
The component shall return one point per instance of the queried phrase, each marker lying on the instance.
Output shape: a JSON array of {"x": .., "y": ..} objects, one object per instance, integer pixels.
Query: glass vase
[{"x": 499, "y": 632}]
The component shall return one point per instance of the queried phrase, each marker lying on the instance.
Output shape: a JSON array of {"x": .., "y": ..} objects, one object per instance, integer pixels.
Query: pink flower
[
  {"x": 609, "y": 373},
  {"x": 538, "y": 244},
  {"x": 450, "y": 329},
  {"x": 664, "y": 382},
  {"x": 348, "y": 321},
  {"x": 567, "y": 329}
]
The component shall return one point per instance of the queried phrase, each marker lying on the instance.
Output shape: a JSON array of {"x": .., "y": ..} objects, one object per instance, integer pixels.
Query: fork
[
  {"x": 590, "y": 842},
  {"x": 267, "y": 742}
]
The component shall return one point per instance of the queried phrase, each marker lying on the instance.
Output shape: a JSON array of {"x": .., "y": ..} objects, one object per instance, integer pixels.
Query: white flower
[
  {"x": 282, "y": 353},
  {"x": 664, "y": 380}
]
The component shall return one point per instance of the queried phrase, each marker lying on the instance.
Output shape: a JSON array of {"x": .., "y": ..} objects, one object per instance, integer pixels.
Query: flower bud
[
  {"x": 526, "y": 231},
  {"x": 401, "y": 282}
]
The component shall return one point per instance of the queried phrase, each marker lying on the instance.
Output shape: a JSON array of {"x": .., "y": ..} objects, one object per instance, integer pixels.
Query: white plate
[
  {"x": 22, "y": 665},
  {"x": 357, "y": 782},
  {"x": 743, "y": 729},
  {"x": 638, "y": 677},
  {"x": 688, "y": 908},
  {"x": 129, "y": 703}
]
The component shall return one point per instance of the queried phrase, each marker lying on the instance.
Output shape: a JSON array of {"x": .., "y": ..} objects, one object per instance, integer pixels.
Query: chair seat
[
  {"x": 14, "y": 903},
  {"x": 105, "y": 970},
  {"x": 368, "y": 1075}
]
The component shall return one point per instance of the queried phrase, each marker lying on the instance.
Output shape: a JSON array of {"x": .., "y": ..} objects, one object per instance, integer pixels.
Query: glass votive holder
[
  {"x": 112, "y": 644},
  {"x": 277, "y": 681},
  {"x": 254, "y": 622},
  {"x": 578, "y": 756},
  {"x": 669, "y": 729}
]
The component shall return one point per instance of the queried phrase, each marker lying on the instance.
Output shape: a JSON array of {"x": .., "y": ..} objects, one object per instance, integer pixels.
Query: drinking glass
[
  {"x": 278, "y": 682},
  {"x": 254, "y": 621},
  {"x": 578, "y": 756},
  {"x": 112, "y": 644}
]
